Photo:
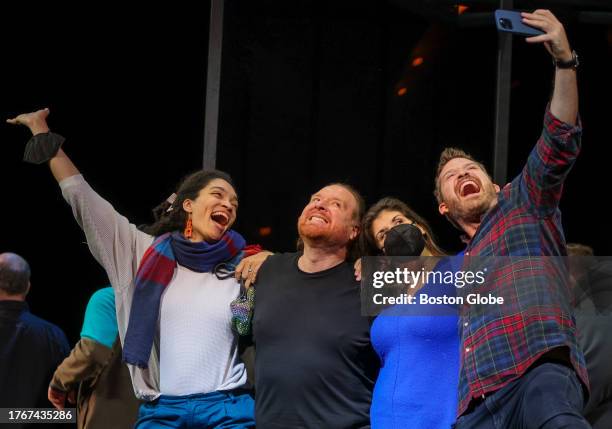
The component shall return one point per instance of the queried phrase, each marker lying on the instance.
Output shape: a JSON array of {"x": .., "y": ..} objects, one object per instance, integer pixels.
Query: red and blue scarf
[{"x": 154, "y": 274}]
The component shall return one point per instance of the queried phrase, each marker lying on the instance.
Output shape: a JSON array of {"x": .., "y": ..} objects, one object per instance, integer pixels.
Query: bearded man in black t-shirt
[{"x": 314, "y": 365}]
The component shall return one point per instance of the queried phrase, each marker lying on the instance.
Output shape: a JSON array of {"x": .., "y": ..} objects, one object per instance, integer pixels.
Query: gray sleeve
[{"x": 114, "y": 242}]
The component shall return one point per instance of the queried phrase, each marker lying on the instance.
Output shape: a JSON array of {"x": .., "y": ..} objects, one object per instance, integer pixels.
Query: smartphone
[{"x": 510, "y": 21}]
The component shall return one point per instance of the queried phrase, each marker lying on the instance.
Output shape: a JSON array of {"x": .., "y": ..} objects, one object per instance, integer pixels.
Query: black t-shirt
[{"x": 314, "y": 365}]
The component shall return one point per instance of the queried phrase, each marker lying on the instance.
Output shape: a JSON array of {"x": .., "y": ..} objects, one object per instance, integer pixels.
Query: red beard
[{"x": 322, "y": 233}]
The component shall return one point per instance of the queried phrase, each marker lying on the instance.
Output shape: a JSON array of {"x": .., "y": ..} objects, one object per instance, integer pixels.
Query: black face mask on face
[{"x": 404, "y": 240}]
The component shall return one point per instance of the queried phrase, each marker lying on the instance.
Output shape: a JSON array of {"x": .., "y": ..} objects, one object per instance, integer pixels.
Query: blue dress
[{"x": 417, "y": 383}]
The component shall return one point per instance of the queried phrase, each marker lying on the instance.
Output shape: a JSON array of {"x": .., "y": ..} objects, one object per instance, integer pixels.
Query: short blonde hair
[{"x": 577, "y": 249}]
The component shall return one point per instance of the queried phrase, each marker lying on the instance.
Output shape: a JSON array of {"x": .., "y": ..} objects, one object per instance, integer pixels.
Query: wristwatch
[{"x": 571, "y": 64}]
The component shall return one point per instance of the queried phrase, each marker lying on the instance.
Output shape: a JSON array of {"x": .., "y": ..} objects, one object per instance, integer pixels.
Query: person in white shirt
[{"x": 173, "y": 306}]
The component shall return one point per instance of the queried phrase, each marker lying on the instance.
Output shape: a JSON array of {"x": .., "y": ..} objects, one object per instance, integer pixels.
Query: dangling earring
[{"x": 188, "y": 228}]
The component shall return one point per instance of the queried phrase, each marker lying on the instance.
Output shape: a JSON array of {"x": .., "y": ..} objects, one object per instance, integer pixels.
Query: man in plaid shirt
[{"x": 521, "y": 365}]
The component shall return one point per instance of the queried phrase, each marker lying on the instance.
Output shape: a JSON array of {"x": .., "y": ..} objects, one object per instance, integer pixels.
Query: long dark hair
[
  {"x": 171, "y": 217},
  {"x": 367, "y": 240}
]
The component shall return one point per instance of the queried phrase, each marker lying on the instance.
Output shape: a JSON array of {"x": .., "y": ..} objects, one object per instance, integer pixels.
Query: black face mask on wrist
[{"x": 404, "y": 240}]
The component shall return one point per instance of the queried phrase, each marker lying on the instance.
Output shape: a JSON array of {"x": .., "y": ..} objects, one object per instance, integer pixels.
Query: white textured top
[{"x": 199, "y": 351}]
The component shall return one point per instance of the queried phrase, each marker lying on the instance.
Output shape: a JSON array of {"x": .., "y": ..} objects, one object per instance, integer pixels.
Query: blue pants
[
  {"x": 222, "y": 409},
  {"x": 548, "y": 396}
]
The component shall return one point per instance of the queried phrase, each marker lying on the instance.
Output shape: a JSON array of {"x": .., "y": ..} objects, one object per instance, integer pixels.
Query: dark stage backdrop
[{"x": 312, "y": 92}]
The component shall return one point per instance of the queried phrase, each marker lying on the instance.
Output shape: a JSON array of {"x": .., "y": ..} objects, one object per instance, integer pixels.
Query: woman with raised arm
[{"x": 173, "y": 289}]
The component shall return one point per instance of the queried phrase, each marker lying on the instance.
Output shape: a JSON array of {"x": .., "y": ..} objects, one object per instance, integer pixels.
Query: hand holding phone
[{"x": 510, "y": 21}]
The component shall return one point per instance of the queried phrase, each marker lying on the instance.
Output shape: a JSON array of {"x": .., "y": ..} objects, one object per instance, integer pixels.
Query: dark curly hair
[{"x": 171, "y": 216}]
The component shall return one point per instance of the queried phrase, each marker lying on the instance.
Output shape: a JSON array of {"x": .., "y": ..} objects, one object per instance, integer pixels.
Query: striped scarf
[{"x": 154, "y": 274}]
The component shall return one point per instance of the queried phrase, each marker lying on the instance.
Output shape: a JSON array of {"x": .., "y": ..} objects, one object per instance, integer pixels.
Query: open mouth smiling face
[
  {"x": 468, "y": 187},
  {"x": 329, "y": 216},
  {"x": 213, "y": 212},
  {"x": 317, "y": 219},
  {"x": 220, "y": 218}
]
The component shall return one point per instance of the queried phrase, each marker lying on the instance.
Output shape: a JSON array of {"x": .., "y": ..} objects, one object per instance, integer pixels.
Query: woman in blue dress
[{"x": 417, "y": 383}]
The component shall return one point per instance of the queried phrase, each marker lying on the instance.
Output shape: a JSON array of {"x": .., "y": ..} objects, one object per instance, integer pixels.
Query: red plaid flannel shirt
[{"x": 499, "y": 343}]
